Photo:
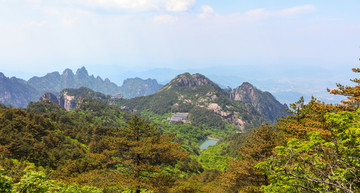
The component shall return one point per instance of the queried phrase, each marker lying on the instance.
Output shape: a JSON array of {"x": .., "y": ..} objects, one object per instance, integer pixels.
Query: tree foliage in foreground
[
  {"x": 241, "y": 173},
  {"x": 318, "y": 165},
  {"x": 37, "y": 182},
  {"x": 144, "y": 152},
  {"x": 328, "y": 160},
  {"x": 352, "y": 92}
]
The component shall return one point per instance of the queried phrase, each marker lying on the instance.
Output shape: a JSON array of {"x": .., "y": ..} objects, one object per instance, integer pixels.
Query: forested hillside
[
  {"x": 207, "y": 104},
  {"x": 217, "y": 112},
  {"x": 98, "y": 147}
]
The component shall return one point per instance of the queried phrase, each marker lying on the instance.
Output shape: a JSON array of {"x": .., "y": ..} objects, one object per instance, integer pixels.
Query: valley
[
  {"x": 190, "y": 108},
  {"x": 190, "y": 135},
  {"x": 179, "y": 96}
]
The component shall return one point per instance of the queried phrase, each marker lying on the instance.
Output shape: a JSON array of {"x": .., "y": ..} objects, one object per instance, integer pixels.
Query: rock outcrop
[
  {"x": 66, "y": 101},
  {"x": 264, "y": 102},
  {"x": 74, "y": 98},
  {"x": 187, "y": 80},
  {"x": 50, "y": 97}
]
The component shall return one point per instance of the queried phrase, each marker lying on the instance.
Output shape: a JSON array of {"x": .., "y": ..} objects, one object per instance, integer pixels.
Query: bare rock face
[
  {"x": 79, "y": 102},
  {"x": 50, "y": 97},
  {"x": 245, "y": 92},
  {"x": 66, "y": 101},
  {"x": 264, "y": 102}
]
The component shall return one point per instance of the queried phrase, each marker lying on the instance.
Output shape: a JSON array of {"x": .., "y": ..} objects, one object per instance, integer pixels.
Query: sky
[{"x": 286, "y": 41}]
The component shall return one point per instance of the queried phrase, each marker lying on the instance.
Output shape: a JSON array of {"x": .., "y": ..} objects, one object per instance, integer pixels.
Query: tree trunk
[{"x": 137, "y": 190}]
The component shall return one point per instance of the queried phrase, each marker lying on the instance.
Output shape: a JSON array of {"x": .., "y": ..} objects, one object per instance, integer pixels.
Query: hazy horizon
[{"x": 282, "y": 46}]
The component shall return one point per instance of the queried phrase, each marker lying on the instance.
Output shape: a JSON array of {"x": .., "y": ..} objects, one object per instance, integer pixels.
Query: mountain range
[
  {"x": 18, "y": 93},
  {"x": 207, "y": 104},
  {"x": 242, "y": 107}
]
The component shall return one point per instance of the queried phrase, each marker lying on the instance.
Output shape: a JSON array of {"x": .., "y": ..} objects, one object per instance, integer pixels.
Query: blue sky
[{"x": 290, "y": 39}]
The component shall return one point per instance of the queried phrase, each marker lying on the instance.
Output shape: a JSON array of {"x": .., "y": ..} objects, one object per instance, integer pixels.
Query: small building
[{"x": 179, "y": 117}]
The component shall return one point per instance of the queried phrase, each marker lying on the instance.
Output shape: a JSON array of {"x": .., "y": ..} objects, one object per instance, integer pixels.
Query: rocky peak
[
  {"x": 131, "y": 80},
  {"x": 68, "y": 79},
  {"x": 49, "y": 97},
  {"x": 53, "y": 74},
  {"x": 68, "y": 72},
  {"x": 245, "y": 92},
  {"x": 246, "y": 85},
  {"x": 2, "y": 76},
  {"x": 82, "y": 72},
  {"x": 264, "y": 102},
  {"x": 190, "y": 81}
]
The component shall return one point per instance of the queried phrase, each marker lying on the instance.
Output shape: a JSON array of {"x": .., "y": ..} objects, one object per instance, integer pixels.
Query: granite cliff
[{"x": 263, "y": 102}]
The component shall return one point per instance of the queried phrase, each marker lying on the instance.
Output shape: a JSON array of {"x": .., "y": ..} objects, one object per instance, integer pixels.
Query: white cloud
[
  {"x": 69, "y": 20},
  {"x": 206, "y": 11},
  {"x": 84, "y": 12},
  {"x": 263, "y": 13},
  {"x": 142, "y": 5},
  {"x": 120, "y": 4},
  {"x": 256, "y": 12},
  {"x": 298, "y": 10},
  {"x": 33, "y": 1},
  {"x": 51, "y": 11},
  {"x": 165, "y": 19},
  {"x": 36, "y": 24},
  {"x": 178, "y": 5}
]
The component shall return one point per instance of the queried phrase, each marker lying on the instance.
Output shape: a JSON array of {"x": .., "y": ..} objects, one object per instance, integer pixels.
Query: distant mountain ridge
[
  {"x": 16, "y": 92},
  {"x": 54, "y": 82},
  {"x": 133, "y": 87},
  {"x": 243, "y": 107},
  {"x": 19, "y": 93}
]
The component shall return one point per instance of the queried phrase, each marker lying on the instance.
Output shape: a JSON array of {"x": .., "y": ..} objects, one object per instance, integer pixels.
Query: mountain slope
[
  {"x": 204, "y": 100},
  {"x": 15, "y": 92},
  {"x": 263, "y": 102},
  {"x": 134, "y": 87}
]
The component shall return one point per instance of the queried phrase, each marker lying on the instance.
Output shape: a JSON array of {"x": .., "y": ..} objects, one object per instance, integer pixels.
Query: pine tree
[
  {"x": 241, "y": 175},
  {"x": 352, "y": 92},
  {"x": 143, "y": 152}
]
